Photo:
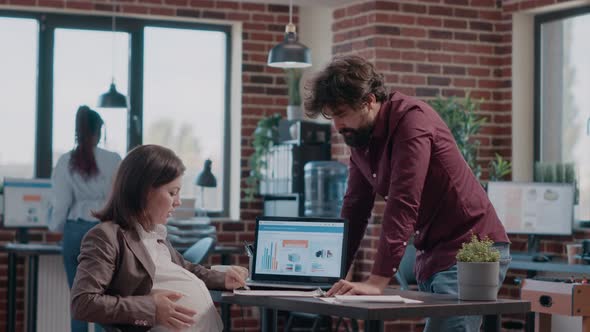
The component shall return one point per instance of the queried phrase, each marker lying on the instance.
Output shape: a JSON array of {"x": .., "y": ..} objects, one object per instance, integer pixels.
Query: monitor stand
[
  {"x": 22, "y": 235},
  {"x": 533, "y": 249}
]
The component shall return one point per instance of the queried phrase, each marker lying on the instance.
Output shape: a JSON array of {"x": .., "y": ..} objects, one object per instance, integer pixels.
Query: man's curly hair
[{"x": 346, "y": 81}]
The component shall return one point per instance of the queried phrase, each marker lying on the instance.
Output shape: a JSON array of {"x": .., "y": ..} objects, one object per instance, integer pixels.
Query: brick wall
[
  {"x": 424, "y": 48},
  {"x": 427, "y": 48},
  {"x": 263, "y": 93}
]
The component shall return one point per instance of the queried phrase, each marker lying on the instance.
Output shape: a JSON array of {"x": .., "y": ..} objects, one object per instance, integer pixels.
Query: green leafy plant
[
  {"x": 461, "y": 117},
  {"x": 478, "y": 251},
  {"x": 499, "y": 168},
  {"x": 293, "y": 76},
  {"x": 265, "y": 135}
]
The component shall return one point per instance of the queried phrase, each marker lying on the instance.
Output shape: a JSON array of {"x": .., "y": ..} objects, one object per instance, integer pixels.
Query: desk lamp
[{"x": 205, "y": 179}]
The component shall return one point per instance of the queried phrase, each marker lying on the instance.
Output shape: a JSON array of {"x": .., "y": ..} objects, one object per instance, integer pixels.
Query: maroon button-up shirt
[{"x": 413, "y": 162}]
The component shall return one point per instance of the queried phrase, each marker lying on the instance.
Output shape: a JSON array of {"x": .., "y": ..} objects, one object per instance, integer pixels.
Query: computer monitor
[
  {"x": 27, "y": 202},
  {"x": 533, "y": 208}
]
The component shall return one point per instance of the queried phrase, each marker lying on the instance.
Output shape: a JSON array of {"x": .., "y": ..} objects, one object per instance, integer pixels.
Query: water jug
[{"x": 325, "y": 185}]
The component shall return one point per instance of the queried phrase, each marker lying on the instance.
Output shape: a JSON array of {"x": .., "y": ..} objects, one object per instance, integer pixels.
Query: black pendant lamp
[
  {"x": 112, "y": 98},
  {"x": 290, "y": 53}
]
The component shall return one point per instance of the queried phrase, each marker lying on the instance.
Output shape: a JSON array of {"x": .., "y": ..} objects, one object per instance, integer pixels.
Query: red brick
[
  {"x": 428, "y": 69},
  {"x": 464, "y": 82},
  {"x": 440, "y": 34},
  {"x": 460, "y": 12},
  {"x": 227, "y": 5},
  {"x": 414, "y": 56},
  {"x": 249, "y": 6},
  {"x": 439, "y": 57},
  {"x": 202, "y": 3},
  {"x": 413, "y": 32},
  {"x": 478, "y": 48},
  {"x": 482, "y": 72},
  {"x": 429, "y": 21},
  {"x": 339, "y": 13},
  {"x": 402, "y": 67},
  {"x": 51, "y": 3},
  {"x": 465, "y": 59},
  {"x": 134, "y": 9},
  {"x": 238, "y": 17},
  {"x": 401, "y": 43},
  {"x": 22, "y": 2},
  {"x": 162, "y": 11},
  {"x": 386, "y": 5},
  {"x": 413, "y": 8},
  {"x": 457, "y": 2},
  {"x": 454, "y": 47},
  {"x": 429, "y": 45},
  {"x": 483, "y": 3},
  {"x": 79, "y": 5},
  {"x": 413, "y": 79},
  {"x": 455, "y": 24},
  {"x": 439, "y": 10}
]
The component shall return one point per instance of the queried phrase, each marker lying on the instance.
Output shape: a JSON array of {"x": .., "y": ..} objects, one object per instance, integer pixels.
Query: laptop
[{"x": 298, "y": 253}]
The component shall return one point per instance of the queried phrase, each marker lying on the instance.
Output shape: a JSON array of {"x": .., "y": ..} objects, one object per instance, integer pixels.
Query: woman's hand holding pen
[{"x": 235, "y": 277}]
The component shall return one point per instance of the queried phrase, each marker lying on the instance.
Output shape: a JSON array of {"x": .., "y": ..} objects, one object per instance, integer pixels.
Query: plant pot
[
  {"x": 478, "y": 281},
  {"x": 294, "y": 112}
]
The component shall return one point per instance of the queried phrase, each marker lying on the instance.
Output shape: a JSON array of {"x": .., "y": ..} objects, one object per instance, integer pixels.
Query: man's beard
[{"x": 357, "y": 138}]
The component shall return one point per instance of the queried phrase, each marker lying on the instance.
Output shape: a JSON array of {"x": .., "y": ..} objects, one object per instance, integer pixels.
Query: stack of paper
[
  {"x": 313, "y": 293},
  {"x": 369, "y": 298}
]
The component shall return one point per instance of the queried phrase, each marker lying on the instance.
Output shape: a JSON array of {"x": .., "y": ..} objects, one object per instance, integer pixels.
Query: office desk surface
[
  {"x": 433, "y": 305},
  {"x": 525, "y": 262}
]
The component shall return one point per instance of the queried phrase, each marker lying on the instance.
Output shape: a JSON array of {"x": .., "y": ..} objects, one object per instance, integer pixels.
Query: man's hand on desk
[{"x": 372, "y": 286}]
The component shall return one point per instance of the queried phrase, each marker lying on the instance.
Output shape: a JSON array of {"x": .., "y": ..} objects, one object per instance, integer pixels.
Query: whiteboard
[
  {"x": 533, "y": 208},
  {"x": 27, "y": 202}
]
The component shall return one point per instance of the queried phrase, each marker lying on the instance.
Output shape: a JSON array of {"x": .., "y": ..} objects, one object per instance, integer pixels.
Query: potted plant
[
  {"x": 478, "y": 266},
  {"x": 293, "y": 77},
  {"x": 461, "y": 117},
  {"x": 265, "y": 135}
]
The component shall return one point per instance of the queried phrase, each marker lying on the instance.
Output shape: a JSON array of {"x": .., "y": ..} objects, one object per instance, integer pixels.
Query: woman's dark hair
[
  {"x": 144, "y": 168},
  {"x": 346, "y": 81},
  {"x": 88, "y": 125}
]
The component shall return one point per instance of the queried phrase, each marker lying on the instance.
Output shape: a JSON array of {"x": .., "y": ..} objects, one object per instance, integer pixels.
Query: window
[
  {"x": 81, "y": 72},
  {"x": 18, "y": 82},
  {"x": 184, "y": 102},
  {"x": 176, "y": 76},
  {"x": 562, "y": 101}
]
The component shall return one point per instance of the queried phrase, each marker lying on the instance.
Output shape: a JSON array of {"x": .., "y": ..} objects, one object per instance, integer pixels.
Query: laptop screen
[{"x": 300, "y": 249}]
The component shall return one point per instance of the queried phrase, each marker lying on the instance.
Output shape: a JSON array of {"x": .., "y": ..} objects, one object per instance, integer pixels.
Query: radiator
[{"x": 53, "y": 300}]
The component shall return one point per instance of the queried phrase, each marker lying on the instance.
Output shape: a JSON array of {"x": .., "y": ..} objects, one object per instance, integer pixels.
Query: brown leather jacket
[{"x": 115, "y": 276}]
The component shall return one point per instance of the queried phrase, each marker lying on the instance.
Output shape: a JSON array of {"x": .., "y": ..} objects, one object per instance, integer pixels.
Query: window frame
[
  {"x": 48, "y": 22},
  {"x": 539, "y": 20}
]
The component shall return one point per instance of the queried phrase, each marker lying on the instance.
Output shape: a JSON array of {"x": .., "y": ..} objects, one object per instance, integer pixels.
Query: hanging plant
[{"x": 265, "y": 136}]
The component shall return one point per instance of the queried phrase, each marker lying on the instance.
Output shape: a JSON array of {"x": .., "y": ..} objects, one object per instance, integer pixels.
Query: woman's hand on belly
[{"x": 170, "y": 314}]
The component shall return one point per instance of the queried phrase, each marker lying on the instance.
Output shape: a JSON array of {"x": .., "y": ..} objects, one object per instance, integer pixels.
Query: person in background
[
  {"x": 403, "y": 151},
  {"x": 129, "y": 276},
  {"x": 81, "y": 182}
]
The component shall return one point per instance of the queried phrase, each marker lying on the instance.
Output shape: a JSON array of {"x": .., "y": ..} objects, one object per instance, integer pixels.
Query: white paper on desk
[
  {"x": 369, "y": 298},
  {"x": 314, "y": 293}
]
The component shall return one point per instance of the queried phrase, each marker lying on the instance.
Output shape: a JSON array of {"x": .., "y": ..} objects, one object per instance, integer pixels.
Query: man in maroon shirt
[{"x": 402, "y": 151}]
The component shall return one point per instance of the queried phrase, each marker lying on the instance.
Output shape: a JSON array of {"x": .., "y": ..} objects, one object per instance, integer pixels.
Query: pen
[{"x": 248, "y": 250}]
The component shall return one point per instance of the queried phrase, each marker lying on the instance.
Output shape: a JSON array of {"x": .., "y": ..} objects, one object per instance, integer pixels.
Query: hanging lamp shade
[
  {"x": 290, "y": 53},
  {"x": 112, "y": 99}
]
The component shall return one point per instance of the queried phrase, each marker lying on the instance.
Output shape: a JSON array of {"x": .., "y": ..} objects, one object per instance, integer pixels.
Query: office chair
[
  {"x": 199, "y": 251},
  {"x": 405, "y": 273},
  {"x": 318, "y": 321}
]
